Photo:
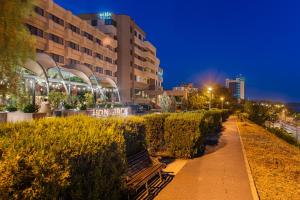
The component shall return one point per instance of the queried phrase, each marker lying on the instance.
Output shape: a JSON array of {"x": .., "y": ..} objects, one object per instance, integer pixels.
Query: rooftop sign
[{"x": 105, "y": 15}]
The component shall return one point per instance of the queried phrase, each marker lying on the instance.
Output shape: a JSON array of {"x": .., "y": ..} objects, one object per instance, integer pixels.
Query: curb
[{"x": 250, "y": 177}]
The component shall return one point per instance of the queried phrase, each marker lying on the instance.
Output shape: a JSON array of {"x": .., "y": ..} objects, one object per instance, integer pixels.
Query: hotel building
[
  {"x": 75, "y": 47},
  {"x": 139, "y": 73},
  {"x": 236, "y": 87}
]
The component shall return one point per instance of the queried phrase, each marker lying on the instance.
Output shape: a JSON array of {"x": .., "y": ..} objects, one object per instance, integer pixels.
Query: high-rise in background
[{"x": 236, "y": 87}]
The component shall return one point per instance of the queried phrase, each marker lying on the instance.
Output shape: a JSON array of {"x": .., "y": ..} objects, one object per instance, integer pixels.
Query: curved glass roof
[{"x": 46, "y": 68}]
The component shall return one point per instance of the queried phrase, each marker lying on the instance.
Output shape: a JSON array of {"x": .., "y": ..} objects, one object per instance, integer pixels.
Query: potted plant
[{"x": 56, "y": 99}]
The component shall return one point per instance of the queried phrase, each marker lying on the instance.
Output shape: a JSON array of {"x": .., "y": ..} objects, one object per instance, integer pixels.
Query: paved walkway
[{"x": 219, "y": 174}]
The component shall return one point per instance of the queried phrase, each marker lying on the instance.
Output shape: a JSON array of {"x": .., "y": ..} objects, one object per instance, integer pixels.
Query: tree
[
  {"x": 196, "y": 101},
  {"x": 167, "y": 103},
  {"x": 16, "y": 43}
]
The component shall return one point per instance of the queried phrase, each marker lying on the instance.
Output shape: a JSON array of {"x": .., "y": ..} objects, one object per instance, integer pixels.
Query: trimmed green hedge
[
  {"x": 154, "y": 124},
  {"x": 183, "y": 135},
  {"x": 133, "y": 129},
  {"x": 71, "y": 158},
  {"x": 81, "y": 157}
]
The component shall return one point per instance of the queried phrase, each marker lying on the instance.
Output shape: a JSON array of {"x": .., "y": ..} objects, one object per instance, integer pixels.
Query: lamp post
[
  {"x": 222, "y": 102},
  {"x": 210, "y": 96}
]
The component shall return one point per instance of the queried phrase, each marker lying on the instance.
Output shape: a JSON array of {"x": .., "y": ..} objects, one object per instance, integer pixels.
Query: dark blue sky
[{"x": 203, "y": 40}]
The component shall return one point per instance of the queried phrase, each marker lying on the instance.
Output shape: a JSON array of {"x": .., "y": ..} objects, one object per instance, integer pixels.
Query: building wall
[
  {"x": 66, "y": 38},
  {"x": 237, "y": 87},
  {"x": 139, "y": 73}
]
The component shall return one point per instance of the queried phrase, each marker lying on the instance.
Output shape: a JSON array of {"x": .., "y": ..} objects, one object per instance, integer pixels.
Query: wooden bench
[{"x": 141, "y": 169}]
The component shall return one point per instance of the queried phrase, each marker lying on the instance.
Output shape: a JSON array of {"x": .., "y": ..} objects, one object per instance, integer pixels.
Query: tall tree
[{"x": 16, "y": 43}]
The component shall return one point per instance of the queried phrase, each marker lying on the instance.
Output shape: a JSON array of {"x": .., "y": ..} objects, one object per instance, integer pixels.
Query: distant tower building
[{"x": 237, "y": 87}]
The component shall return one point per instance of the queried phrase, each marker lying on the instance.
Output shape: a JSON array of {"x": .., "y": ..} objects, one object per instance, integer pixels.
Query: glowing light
[{"x": 105, "y": 15}]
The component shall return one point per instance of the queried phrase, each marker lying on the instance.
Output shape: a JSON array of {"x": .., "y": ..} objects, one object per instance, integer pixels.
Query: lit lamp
[
  {"x": 222, "y": 101},
  {"x": 210, "y": 96}
]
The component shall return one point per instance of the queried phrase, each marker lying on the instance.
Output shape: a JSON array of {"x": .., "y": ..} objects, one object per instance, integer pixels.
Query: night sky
[{"x": 208, "y": 40}]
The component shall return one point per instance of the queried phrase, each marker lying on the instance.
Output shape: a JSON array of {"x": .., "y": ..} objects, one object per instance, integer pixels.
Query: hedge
[
  {"x": 154, "y": 124},
  {"x": 212, "y": 125},
  {"x": 133, "y": 129},
  {"x": 183, "y": 135},
  {"x": 73, "y": 158},
  {"x": 283, "y": 134},
  {"x": 81, "y": 157}
]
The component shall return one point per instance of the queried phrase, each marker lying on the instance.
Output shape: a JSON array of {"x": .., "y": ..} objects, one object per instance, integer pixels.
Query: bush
[
  {"x": 212, "y": 122},
  {"x": 69, "y": 158},
  {"x": 11, "y": 108},
  {"x": 225, "y": 114},
  {"x": 30, "y": 108},
  {"x": 283, "y": 134},
  {"x": 133, "y": 129},
  {"x": 154, "y": 124},
  {"x": 183, "y": 135}
]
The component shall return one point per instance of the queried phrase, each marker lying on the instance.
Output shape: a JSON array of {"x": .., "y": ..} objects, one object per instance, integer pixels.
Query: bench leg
[
  {"x": 147, "y": 188},
  {"x": 160, "y": 177}
]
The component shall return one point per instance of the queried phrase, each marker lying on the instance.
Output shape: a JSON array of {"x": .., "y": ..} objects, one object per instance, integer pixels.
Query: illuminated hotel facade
[
  {"x": 139, "y": 74},
  {"x": 71, "y": 53}
]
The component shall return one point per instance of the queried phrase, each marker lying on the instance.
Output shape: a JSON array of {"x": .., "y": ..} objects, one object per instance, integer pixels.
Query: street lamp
[
  {"x": 222, "y": 101},
  {"x": 210, "y": 96}
]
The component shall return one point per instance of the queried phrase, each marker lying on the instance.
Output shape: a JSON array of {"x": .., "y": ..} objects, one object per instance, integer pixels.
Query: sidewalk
[{"x": 219, "y": 174}]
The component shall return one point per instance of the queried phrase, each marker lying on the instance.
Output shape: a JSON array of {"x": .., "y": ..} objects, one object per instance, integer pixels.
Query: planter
[
  {"x": 3, "y": 117},
  {"x": 20, "y": 116},
  {"x": 38, "y": 115},
  {"x": 67, "y": 113},
  {"x": 57, "y": 113}
]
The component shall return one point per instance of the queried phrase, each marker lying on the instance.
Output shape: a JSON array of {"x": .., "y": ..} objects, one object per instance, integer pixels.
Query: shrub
[
  {"x": 71, "y": 158},
  {"x": 225, "y": 114},
  {"x": 11, "y": 108},
  {"x": 154, "y": 124},
  {"x": 133, "y": 129},
  {"x": 30, "y": 108},
  {"x": 283, "y": 134},
  {"x": 183, "y": 135},
  {"x": 212, "y": 122}
]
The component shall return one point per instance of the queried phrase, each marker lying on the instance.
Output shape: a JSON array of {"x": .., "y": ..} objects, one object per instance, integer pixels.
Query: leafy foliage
[
  {"x": 154, "y": 124},
  {"x": 55, "y": 98},
  {"x": 30, "y": 108},
  {"x": 16, "y": 43},
  {"x": 183, "y": 135},
  {"x": 68, "y": 158}
]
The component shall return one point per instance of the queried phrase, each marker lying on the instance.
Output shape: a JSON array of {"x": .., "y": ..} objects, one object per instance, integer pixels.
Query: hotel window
[
  {"x": 88, "y": 36},
  {"x": 56, "y": 39},
  {"x": 108, "y": 72},
  {"x": 39, "y": 11},
  {"x": 87, "y": 51},
  {"x": 98, "y": 55},
  {"x": 35, "y": 31},
  {"x": 98, "y": 41},
  {"x": 135, "y": 33},
  {"x": 110, "y": 22},
  {"x": 99, "y": 70},
  {"x": 73, "y": 28},
  {"x": 57, "y": 58},
  {"x": 74, "y": 46},
  {"x": 89, "y": 66},
  {"x": 39, "y": 51},
  {"x": 73, "y": 61},
  {"x": 107, "y": 59},
  {"x": 110, "y": 48},
  {"x": 94, "y": 22},
  {"x": 56, "y": 19}
]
